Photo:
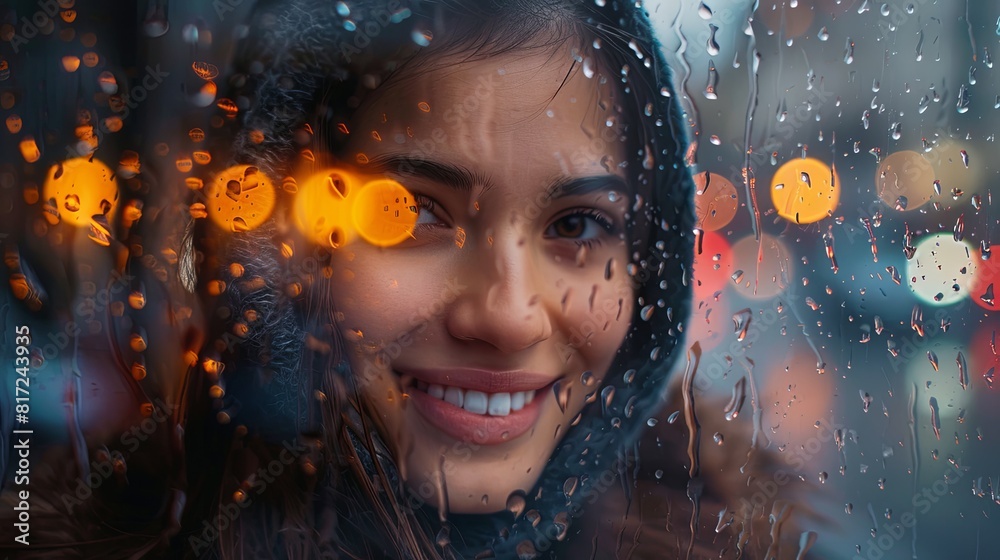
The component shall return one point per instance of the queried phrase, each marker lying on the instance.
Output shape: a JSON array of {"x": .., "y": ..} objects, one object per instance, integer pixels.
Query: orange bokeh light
[
  {"x": 83, "y": 189},
  {"x": 241, "y": 198},
  {"x": 322, "y": 210},
  {"x": 384, "y": 213},
  {"x": 334, "y": 206},
  {"x": 805, "y": 190},
  {"x": 905, "y": 174},
  {"x": 715, "y": 201}
]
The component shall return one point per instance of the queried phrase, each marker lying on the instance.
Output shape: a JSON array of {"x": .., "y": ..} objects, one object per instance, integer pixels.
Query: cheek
[
  {"x": 377, "y": 298},
  {"x": 597, "y": 321}
]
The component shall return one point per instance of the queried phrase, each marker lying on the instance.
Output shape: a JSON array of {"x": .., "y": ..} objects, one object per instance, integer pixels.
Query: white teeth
[
  {"x": 436, "y": 391},
  {"x": 517, "y": 400},
  {"x": 454, "y": 396},
  {"x": 476, "y": 402},
  {"x": 499, "y": 404}
]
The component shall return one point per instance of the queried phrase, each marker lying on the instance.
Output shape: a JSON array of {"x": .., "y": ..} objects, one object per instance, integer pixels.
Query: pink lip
[
  {"x": 487, "y": 381},
  {"x": 476, "y": 428}
]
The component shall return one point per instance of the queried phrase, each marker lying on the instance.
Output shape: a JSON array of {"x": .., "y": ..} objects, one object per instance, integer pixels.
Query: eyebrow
[
  {"x": 464, "y": 179},
  {"x": 455, "y": 176},
  {"x": 582, "y": 186}
]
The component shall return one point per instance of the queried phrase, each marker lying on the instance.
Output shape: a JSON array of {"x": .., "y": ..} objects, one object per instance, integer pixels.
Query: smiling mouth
[
  {"x": 478, "y": 402},
  {"x": 478, "y": 416}
]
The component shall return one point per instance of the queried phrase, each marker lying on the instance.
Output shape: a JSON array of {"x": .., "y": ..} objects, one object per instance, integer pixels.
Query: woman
[
  {"x": 475, "y": 387},
  {"x": 479, "y": 378}
]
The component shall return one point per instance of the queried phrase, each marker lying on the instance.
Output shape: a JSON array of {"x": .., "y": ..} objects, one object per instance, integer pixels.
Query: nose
[{"x": 505, "y": 305}]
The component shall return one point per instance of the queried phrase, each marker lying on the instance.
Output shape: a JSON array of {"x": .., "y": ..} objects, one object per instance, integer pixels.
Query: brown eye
[
  {"x": 426, "y": 209},
  {"x": 581, "y": 225},
  {"x": 570, "y": 226}
]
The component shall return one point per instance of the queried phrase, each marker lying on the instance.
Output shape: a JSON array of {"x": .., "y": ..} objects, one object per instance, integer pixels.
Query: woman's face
[{"x": 477, "y": 342}]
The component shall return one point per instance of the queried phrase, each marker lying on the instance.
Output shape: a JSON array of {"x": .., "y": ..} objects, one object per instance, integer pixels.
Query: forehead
[{"x": 549, "y": 108}]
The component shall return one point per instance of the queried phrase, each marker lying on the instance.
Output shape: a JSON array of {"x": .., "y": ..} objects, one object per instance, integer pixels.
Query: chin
[
  {"x": 462, "y": 502},
  {"x": 467, "y": 481}
]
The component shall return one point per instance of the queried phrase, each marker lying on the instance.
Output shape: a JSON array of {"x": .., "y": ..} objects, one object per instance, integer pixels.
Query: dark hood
[{"x": 295, "y": 49}]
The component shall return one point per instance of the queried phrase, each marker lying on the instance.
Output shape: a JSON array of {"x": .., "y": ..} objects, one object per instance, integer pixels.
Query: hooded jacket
[{"x": 296, "y": 50}]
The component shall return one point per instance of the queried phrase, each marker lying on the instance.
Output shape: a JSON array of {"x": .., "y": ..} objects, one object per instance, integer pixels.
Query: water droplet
[
  {"x": 935, "y": 418},
  {"x": 933, "y": 359},
  {"x": 741, "y": 322},
  {"x": 561, "y": 394},
  {"x": 569, "y": 486},
  {"x": 72, "y": 203},
  {"x": 443, "y": 538},
  {"x": 607, "y": 395},
  {"x": 963, "y": 371},
  {"x": 205, "y": 70},
  {"x": 963, "y": 99},
  {"x": 647, "y": 312},
  {"x": 712, "y": 46},
  {"x": 732, "y": 409},
  {"x": 711, "y": 87},
  {"x": 516, "y": 503},
  {"x": 849, "y": 51},
  {"x": 422, "y": 38}
]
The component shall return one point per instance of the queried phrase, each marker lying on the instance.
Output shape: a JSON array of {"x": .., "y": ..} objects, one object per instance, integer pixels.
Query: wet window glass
[{"x": 518, "y": 279}]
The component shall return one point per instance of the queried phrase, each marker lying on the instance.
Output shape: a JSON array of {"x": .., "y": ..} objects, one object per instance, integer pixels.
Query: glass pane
[{"x": 549, "y": 279}]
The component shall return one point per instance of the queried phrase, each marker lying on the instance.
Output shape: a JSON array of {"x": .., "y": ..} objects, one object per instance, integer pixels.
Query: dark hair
[{"x": 300, "y": 71}]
